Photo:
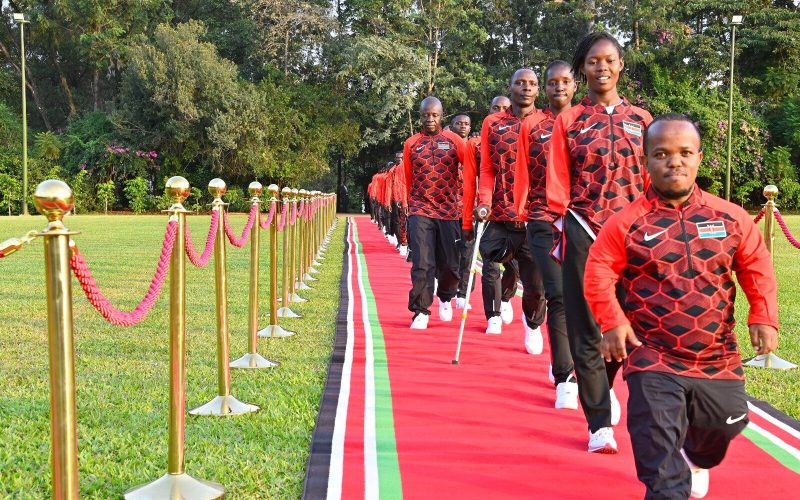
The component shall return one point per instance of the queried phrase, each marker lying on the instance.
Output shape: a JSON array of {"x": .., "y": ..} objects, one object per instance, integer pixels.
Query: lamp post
[
  {"x": 733, "y": 22},
  {"x": 20, "y": 18}
]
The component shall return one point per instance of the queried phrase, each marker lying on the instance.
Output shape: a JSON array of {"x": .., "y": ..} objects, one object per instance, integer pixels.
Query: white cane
[{"x": 472, "y": 270}]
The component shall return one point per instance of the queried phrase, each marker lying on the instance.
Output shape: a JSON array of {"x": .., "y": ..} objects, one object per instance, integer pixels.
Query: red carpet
[{"x": 485, "y": 428}]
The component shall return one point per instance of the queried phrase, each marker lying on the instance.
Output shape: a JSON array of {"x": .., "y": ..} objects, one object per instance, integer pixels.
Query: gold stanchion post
[
  {"x": 770, "y": 360},
  {"x": 302, "y": 243},
  {"x": 274, "y": 330},
  {"x": 286, "y": 289},
  {"x": 224, "y": 404},
  {"x": 315, "y": 236},
  {"x": 53, "y": 199},
  {"x": 176, "y": 483},
  {"x": 253, "y": 359},
  {"x": 294, "y": 243}
]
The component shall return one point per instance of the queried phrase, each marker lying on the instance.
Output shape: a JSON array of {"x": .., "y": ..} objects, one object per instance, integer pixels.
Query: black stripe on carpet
[
  {"x": 775, "y": 413},
  {"x": 316, "y": 482}
]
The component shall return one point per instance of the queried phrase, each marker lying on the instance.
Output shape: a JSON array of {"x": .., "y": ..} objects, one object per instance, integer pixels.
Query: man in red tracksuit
[
  {"x": 504, "y": 238},
  {"x": 672, "y": 254},
  {"x": 433, "y": 160},
  {"x": 400, "y": 203}
]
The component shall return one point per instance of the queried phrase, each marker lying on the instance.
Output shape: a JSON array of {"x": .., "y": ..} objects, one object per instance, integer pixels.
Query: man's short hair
[{"x": 672, "y": 117}]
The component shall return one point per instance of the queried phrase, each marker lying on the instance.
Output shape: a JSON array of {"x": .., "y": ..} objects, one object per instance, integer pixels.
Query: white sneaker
[
  {"x": 567, "y": 394},
  {"x": 494, "y": 326},
  {"x": 616, "y": 411},
  {"x": 533, "y": 338},
  {"x": 392, "y": 240},
  {"x": 506, "y": 312},
  {"x": 550, "y": 376},
  {"x": 602, "y": 441},
  {"x": 403, "y": 250},
  {"x": 445, "y": 311},
  {"x": 420, "y": 322},
  {"x": 700, "y": 478},
  {"x": 461, "y": 302}
]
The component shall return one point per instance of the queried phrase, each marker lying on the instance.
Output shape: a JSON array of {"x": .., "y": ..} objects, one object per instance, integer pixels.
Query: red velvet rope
[
  {"x": 270, "y": 216},
  {"x": 785, "y": 229},
  {"x": 81, "y": 270},
  {"x": 239, "y": 242},
  {"x": 202, "y": 260},
  {"x": 759, "y": 215},
  {"x": 282, "y": 221}
]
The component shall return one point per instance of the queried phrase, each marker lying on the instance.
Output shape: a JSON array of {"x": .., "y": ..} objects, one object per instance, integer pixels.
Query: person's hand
[
  {"x": 468, "y": 234},
  {"x": 481, "y": 212},
  {"x": 763, "y": 338},
  {"x": 613, "y": 344}
]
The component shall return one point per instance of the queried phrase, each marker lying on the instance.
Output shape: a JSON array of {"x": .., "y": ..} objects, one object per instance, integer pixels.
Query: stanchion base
[
  {"x": 296, "y": 299},
  {"x": 176, "y": 486},
  {"x": 311, "y": 271},
  {"x": 224, "y": 406},
  {"x": 770, "y": 361},
  {"x": 253, "y": 360},
  {"x": 308, "y": 277},
  {"x": 285, "y": 312},
  {"x": 275, "y": 331},
  {"x": 300, "y": 285}
]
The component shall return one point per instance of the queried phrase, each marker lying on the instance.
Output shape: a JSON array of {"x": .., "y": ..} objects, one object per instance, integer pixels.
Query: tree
[
  {"x": 10, "y": 192},
  {"x": 106, "y": 193}
]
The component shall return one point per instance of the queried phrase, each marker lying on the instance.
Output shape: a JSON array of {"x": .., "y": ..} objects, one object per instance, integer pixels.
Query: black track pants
[
  {"x": 595, "y": 376},
  {"x": 434, "y": 253},
  {"x": 540, "y": 241},
  {"x": 668, "y": 412},
  {"x": 533, "y": 300}
]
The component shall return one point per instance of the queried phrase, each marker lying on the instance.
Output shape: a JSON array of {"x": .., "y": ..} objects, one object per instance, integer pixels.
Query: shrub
[
  {"x": 138, "y": 193},
  {"x": 106, "y": 194}
]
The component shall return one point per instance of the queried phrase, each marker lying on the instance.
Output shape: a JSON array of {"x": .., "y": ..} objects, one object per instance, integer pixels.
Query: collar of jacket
[
  {"x": 599, "y": 108},
  {"x": 654, "y": 200}
]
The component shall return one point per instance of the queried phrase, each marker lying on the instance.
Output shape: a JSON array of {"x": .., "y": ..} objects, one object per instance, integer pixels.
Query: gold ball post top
[
  {"x": 53, "y": 199},
  {"x": 217, "y": 188},
  {"x": 303, "y": 194},
  {"x": 770, "y": 192},
  {"x": 177, "y": 188},
  {"x": 286, "y": 194},
  {"x": 274, "y": 190},
  {"x": 255, "y": 189}
]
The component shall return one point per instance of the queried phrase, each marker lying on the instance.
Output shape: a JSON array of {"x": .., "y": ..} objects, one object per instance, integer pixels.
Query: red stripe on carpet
[
  {"x": 353, "y": 473},
  {"x": 487, "y": 428}
]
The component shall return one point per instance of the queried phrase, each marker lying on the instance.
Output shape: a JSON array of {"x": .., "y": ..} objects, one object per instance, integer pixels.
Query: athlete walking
[
  {"x": 433, "y": 160},
  {"x": 673, "y": 253},
  {"x": 593, "y": 170}
]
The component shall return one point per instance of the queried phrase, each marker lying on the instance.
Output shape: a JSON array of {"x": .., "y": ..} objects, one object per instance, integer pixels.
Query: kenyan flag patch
[
  {"x": 632, "y": 128},
  {"x": 711, "y": 229}
]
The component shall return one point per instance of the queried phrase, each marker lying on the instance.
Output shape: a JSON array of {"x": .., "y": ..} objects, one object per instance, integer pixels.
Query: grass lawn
[{"x": 123, "y": 373}]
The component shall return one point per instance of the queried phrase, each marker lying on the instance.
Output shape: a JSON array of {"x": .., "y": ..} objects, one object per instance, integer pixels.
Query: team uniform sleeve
[
  {"x": 557, "y": 173},
  {"x": 469, "y": 173},
  {"x": 604, "y": 267},
  {"x": 486, "y": 184},
  {"x": 754, "y": 272},
  {"x": 407, "y": 165}
]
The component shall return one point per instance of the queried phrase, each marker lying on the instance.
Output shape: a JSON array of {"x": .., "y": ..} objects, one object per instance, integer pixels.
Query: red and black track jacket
[
  {"x": 538, "y": 149},
  {"x": 399, "y": 185},
  {"x": 471, "y": 184},
  {"x": 502, "y": 151},
  {"x": 593, "y": 167},
  {"x": 435, "y": 166},
  {"x": 675, "y": 267}
]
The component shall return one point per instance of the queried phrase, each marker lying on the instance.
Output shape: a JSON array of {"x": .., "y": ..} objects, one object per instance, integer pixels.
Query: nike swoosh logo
[
  {"x": 500, "y": 129},
  {"x": 648, "y": 237},
  {"x": 734, "y": 420},
  {"x": 584, "y": 130},
  {"x": 545, "y": 136}
]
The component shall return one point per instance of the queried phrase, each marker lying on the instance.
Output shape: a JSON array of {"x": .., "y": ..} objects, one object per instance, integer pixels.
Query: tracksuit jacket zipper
[{"x": 685, "y": 240}]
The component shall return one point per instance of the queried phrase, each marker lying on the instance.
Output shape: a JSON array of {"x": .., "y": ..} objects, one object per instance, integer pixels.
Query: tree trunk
[
  {"x": 286, "y": 53},
  {"x": 96, "y": 88},
  {"x": 29, "y": 82},
  {"x": 62, "y": 78},
  {"x": 636, "y": 39}
]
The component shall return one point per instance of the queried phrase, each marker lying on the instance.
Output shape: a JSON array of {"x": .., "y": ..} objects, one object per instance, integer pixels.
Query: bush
[
  {"x": 10, "y": 191},
  {"x": 138, "y": 193},
  {"x": 106, "y": 194}
]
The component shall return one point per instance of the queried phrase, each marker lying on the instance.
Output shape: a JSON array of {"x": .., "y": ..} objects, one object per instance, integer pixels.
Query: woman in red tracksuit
[{"x": 593, "y": 171}]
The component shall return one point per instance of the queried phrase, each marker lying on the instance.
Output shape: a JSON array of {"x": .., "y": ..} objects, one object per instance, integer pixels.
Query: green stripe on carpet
[
  {"x": 785, "y": 458},
  {"x": 390, "y": 484}
]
